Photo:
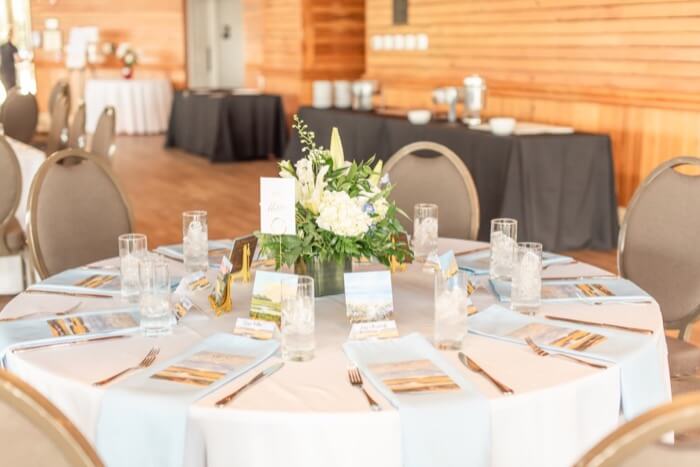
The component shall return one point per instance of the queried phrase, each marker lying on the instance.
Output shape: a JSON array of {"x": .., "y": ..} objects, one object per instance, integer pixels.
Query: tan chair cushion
[{"x": 14, "y": 237}]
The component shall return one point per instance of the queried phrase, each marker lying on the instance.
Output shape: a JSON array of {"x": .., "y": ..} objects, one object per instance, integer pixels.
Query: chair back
[
  {"x": 657, "y": 245},
  {"x": 76, "y": 133},
  {"x": 10, "y": 189},
  {"x": 443, "y": 180},
  {"x": 636, "y": 442},
  {"x": 20, "y": 114},
  {"x": 76, "y": 212},
  {"x": 34, "y": 432},
  {"x": 58, "y": 132},
  {"x": 103, "y": 138},
  {"x": 61, "y": 88}
]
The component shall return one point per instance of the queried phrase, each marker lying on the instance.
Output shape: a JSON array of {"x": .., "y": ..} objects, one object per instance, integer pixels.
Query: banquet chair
[
  {"x": 61, "y": 88},
  {"x": 76, "y": 212},
  {"x": 103, "y": 139},
  {"x": 34, "y": 432},
  {"x": 12, "y": 240},
  {"x": 76, "y": 132},
  {"x": 58, "y": 132},
  {"x": 20, "y": 114},
  {"x": 443, "y": 180},
  {"x": 636, "y": 443},
  {"x": 657, "y": 249}
]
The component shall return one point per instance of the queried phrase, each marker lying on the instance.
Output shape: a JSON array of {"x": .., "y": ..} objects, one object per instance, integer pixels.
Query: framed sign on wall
[{"x": 400, "y": 12}]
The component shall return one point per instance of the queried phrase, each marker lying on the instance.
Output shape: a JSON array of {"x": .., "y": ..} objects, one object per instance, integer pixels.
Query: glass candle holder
[
  {"x": 298, "y": 320},
  {"x": 195, "y": 241},
  {"x": 132, "y": 248},
  {"x": 154, "y": 305},
  {"x": 504, "y": 238},
  {"x": 451, "y": 310},
  {"x": 425, "y": 231},
  {"x": 526, "y": 288}
]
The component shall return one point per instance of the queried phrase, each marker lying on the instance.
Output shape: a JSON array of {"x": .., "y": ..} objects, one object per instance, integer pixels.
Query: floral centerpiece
[
  {"x": 343, "y": 212},
  {"x": 128, "y": 57}
]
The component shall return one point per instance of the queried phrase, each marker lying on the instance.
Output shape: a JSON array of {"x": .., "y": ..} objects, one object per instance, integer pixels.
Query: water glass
[
  {"x": 195, "y": 241},
  {"x": 526, "y": 290},
  {"x": 132, "y": 249},
  {"x": 451, "y": 310},
  {"x": 298, "y": 322},
  {"x": 504, "y": 238},
  {"x": 425, "y": 231},
  {"x": 154, "y": 306}
]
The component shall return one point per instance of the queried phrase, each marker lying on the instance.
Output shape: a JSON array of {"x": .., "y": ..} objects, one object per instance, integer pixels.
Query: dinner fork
[
  {"x": 145, "y": 363},
  {"x": 543, "y": 353},
  {"x": 355, "y": 378}
]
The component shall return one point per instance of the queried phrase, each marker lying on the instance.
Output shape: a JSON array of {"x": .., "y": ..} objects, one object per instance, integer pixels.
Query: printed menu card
[
  {"x": 94, "y": 281},
  {"x": 413, "y": 376},
  {"x": 202, "y": 368},
  {"x": 580, "y": 290}
]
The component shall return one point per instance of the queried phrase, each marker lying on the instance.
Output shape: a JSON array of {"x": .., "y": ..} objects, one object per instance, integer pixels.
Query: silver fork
[
  {"x": 543, "y": 353},
  {"x": 145, "y": 363},
  {"x": 355, "y": 378}
]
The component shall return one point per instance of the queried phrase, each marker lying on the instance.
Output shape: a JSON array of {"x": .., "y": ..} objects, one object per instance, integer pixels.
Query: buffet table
[
  {"x": 226, "y": 127},
  {"x": 307, "y": 414},
  {"x": 560, "y": 188},
  {"x": 141, "y": 104}
]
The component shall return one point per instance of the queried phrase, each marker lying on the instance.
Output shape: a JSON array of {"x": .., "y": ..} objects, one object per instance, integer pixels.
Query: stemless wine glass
[
  {"x": 526, "y": 290},
  {"x": 154, "y": 306},
  {"x": 195, "y": 241},
  {"x": 451, "y": 310},
  {"x": 298, "y": 321},
  {"x": 425, "y": 231},
  {"x": 132, "y": 248},
  {"x": 504, "y": 238}
]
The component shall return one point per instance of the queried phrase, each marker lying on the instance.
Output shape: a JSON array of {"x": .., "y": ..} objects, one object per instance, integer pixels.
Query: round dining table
[{"x": 308, "y": 414}]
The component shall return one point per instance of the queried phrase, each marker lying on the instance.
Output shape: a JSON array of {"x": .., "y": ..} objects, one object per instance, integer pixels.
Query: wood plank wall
[
  {"x": 155, "y": 28},
  {"x": 629, "y": 68}
]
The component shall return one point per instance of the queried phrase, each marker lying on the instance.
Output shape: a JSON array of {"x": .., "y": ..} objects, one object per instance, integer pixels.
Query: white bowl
[
  {"x": 502, "y": 126},
  {"x": 419, "y": 117}
]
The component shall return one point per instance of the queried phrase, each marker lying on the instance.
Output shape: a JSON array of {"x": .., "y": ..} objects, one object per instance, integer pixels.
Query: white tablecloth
[
  {"x": 308, "y": 415},
  {"x": 142, "y": 105}
]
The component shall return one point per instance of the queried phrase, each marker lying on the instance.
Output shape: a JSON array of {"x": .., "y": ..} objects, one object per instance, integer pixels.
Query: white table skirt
[
  {"x": 142, "y": 105},
  {"x": 307, "y": 414}
]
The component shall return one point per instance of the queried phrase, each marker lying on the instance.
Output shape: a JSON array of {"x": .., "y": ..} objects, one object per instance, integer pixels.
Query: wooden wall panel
[{"x": 629, "y": 68}]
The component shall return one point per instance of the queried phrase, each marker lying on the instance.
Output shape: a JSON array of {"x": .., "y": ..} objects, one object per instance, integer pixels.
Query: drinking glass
[
  {"x": 526, "y": 290},
  {"x": 504, "y": 238},
  {"x": 132, "y": 248},
  {"x": 195, "y": 241},
  {"x": 425, "y": 231},
  {"x": 154, "y": 306},
  {"x": 451, "y": 310},
  {"x": 298, "y": 324}
]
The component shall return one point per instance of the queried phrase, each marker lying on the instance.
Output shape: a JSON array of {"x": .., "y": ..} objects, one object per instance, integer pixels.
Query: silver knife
[{"x": 266, "y": 372}]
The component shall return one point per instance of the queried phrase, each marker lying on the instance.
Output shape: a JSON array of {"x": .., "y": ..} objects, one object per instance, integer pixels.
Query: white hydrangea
[{"x": 341, "y": 215}]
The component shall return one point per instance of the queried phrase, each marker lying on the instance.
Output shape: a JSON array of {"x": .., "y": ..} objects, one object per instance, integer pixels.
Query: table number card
[
  {"x": 268, "y": 290},
  {"x": 255, "y": 328},
  {"x": 278, "y": 206},
  {"x": 374, "y": 330},
  {"x": 368, "y": 296}
]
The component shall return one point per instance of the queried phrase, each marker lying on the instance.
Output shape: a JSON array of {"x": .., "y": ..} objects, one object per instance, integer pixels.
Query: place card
[
  {"x": 278, "y": 206},
  {"x": 202, "y": 369},
  {"x": 192, "y": 283},
  {"x": 266, "y": 303},
  {"x": 183, "y": 307},
  {"x": 255, "y": 328},
  {"x": 447, "y": 262},
  {"x": 413, "y": 376},
  {"x": 556, "y": 336},
  {"x": 385, "y": 329},
  {"x": 368, "y": 296}
]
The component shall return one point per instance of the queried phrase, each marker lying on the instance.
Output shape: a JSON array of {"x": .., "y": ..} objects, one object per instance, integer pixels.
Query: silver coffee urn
[
  {"x": 362, "y": 94},
  {"x": 474, "y": 99},
  {"x": 448, "y": 96}
]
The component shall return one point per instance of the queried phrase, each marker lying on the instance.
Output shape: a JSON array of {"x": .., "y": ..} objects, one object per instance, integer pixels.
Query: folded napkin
[
  {"x": 217, "y": 249},
  {"x": 479, "y": 262},
  {"x": 438, "y": 428},
  {"x": 66, "y": 328},
  {"x": 80, "y": 280},
  {"x": 641, "y": 376},
  {"x": 143, "y": 419},
  {"x": 580, "y": 290}
]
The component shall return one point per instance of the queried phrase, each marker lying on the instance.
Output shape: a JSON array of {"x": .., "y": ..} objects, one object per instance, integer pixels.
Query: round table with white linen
[
  {"x": 308, "y": 414},
  {"x": 142, "y": 105}
]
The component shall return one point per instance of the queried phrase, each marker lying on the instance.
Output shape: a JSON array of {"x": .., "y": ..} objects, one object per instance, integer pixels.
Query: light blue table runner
[
  {"x": 641, "y": 378},
  {"x": 562, "y": 291},
  {"x": 447, "y": 429},
  {"x": 153, "y": 433},
  {"x": 478, "y": 262}
]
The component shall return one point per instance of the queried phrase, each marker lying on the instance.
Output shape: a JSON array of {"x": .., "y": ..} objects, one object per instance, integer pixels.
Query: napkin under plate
[{"x": 215, "y": 247}]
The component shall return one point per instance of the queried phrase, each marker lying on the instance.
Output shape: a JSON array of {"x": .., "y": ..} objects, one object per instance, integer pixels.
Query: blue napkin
[
  {"x": 68, "y": 328},
  {"x": 176, "y": 251},
  {"x": 143, "y": 419},
  {"x": 561, "y": 291},
  {"x": 641, "y": 376},
  {"x": 440, "y": 428},
  {"x": 478, "y": 263}
]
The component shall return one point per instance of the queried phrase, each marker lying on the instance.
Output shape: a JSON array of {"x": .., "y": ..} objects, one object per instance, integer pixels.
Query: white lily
[
  {"x": 376, "y": 174},
  {"x": 337, "y": 150}
]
